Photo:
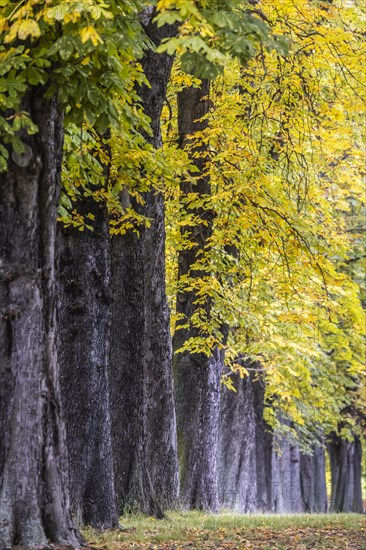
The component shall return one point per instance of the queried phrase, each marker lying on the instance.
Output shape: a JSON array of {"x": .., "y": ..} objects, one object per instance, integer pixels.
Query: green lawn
[{"x": 230, "y": 531}]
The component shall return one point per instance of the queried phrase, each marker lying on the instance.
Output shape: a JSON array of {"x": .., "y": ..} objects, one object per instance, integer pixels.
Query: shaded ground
[{"x": 227, "y": 532}]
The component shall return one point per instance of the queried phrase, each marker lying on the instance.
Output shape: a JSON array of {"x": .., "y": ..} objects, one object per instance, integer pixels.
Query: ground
[{"x": 194, "y": 530}]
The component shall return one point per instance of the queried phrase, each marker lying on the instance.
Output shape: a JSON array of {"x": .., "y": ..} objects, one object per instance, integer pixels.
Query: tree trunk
[
  {"x": 198, "y": 398},
  {"x": 141, "y": 385},
  {"x": 313, "y": 482},
  {"x": 238, "y": 452},
  {"x": 286, "y": 484},
  {"x": 197, "y": 376},
  {"x": 345, "y": 466},
  {"x": 84, "y": 320},
  {"x": 34, "y": 502},
  {"x": 264, "y": 447},
  {"x": 245, "y": 447}
]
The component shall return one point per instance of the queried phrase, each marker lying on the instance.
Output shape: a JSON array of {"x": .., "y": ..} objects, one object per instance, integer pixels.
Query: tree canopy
[
  {"x": 285, "y": 134},
  {"x": 277, "y": 231}
]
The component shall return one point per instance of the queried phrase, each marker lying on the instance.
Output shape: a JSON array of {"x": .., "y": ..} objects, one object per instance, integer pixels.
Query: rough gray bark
[
  {"x": 264, "y": 447},
  {"x": 141, "y": 385},
  {"x": 198, "y": 398},
  {"x": 197, "y": 377},
  {"x": 286, "y": 483},
  {"x": 313, "y": 482},
  {"x": 259, "y": 471},
  {"x": 34, "y": 502},
  {"x": 238, "y": 452},
  {"x": 245, "y": 447},
  {"x": 298, "y": 480},
  {"x": 84, "y": 321},
  {"x": 345, "y": 464}
]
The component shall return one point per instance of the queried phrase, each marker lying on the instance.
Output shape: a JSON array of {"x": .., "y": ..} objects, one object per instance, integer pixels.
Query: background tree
[
  {"x": 200, "y": 336},
  {"x": 246, "y": 442},
  {"x": 142, "y": 406},
  {"x": 269, "y": 198},
  {"x": 197, "y": 376},
  {"x": 345, "y": 466}
]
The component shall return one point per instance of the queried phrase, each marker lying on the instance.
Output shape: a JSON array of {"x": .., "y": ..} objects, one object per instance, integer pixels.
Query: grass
[{"x": 196, "y": 530}]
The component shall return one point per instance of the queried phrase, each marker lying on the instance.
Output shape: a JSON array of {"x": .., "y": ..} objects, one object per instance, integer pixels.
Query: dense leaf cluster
[{"x": 283, "y": 267}]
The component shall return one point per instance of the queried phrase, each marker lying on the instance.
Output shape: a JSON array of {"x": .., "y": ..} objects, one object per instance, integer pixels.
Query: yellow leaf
[
  {"x": 29, "y": 27},
  {"x": 89, "y": 33},
  {"x": 164, "y": 4}
]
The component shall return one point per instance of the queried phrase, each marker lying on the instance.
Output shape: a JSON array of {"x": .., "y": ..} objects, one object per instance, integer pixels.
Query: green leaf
[
  {"x": 17, "y": 145},
  {"x": 35, "y": 76}
]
